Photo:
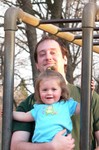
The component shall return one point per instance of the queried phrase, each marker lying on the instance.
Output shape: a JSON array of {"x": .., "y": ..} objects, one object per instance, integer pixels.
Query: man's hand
[{"x": 61, "y": 142}]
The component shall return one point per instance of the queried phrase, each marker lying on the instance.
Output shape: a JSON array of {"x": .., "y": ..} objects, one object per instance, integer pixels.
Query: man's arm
[{"x": 60, "y": 142}]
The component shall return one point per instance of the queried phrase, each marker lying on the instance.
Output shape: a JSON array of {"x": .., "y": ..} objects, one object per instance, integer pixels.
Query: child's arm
[
  {"x": 22, "y": 116},
  {"x": 77, "y": 112}
]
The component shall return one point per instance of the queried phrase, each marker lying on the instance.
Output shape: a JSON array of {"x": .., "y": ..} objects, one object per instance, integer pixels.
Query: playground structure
[{"x": 10, "y": 27}]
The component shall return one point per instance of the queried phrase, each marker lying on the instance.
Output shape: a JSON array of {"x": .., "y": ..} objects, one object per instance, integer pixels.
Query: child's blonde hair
[{"x": 50, "y": 74}]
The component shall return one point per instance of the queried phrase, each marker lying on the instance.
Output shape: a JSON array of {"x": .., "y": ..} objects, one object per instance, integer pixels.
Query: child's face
[{"x": 50, "y": 91}]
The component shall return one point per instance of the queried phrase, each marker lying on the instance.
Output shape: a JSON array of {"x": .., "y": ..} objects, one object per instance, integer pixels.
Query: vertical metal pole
[
  {"x": 10, "y": 28},
  {"x": 8, "y": 89},
  {"x": 88, "y": 21}
]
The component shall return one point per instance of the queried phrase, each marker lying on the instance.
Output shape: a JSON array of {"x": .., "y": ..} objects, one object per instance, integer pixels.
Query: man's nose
[{"x": 48, "y": 55}]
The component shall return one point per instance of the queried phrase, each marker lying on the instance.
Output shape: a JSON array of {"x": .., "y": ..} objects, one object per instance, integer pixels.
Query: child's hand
[{"x": 92, "y": 85}]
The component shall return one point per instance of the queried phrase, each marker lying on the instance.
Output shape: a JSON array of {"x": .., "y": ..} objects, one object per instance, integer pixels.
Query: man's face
[{"x": 48, "y": 55}]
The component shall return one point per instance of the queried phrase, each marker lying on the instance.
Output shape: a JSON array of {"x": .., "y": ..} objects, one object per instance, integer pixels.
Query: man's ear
[{"x": 65, "y": 60}]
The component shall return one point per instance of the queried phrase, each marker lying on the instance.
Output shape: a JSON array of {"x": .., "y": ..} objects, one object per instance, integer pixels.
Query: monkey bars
[
  {"x": 13, "y": 15},
  {"x": 50, "y": 28}
]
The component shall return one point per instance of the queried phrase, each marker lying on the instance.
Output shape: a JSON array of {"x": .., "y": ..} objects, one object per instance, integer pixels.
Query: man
[{"x": 50, "y": 53}]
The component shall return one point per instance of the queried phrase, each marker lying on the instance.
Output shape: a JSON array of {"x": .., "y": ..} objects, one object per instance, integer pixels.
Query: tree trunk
[{"x": 26, "y": 5}]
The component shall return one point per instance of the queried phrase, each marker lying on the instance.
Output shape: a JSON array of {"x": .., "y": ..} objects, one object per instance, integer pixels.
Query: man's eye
[
  {"x": 41, "y": 54},
  {"x": 52, "y": 52}
]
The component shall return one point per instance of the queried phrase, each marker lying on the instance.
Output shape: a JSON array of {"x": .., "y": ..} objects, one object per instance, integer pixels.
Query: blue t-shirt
[{"x": 50, "y": 119}]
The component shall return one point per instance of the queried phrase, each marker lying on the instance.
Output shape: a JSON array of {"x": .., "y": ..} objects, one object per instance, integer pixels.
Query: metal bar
[
  {"x": 80, "y": 36},
  {"x": 75, "y": 29},
  {"x": 8, "y": 86},
  {"x": 75, "y": 20},
  {"x": 85, "y": 122},
  {"x": 7, "y": 90},
  {"x": 95, "y": 43},
  {"x": 52, "y": 21}
]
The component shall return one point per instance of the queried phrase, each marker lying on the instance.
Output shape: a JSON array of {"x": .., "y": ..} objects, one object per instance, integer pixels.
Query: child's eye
[
  {"x": 54, "y": 89},
  {"x": 44, "y": 90}
]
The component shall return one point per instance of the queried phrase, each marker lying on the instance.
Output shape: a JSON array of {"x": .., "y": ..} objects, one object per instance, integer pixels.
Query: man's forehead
[
  {"x": 47, "y": 49},
  {"x": 48, "y": 46},
  {"x": 47, "y": 43}
]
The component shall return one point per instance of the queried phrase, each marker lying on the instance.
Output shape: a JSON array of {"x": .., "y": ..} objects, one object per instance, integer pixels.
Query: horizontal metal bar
[
  {"x": 72, "y": 20},
  {"x": 80, "y": 36},
  {"x": 75, "y": 29},
  {"x": 60, "y": 21},
  {"x": 95, "y": 43}
]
